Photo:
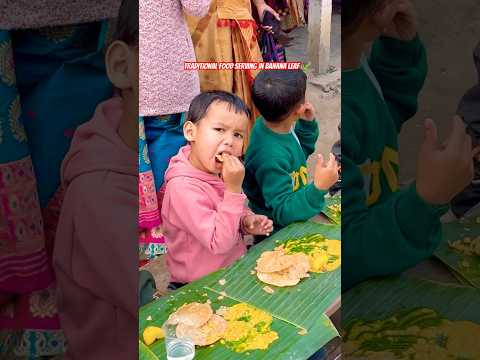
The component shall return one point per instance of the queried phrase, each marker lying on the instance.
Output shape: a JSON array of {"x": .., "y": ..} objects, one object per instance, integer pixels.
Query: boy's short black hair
[
  {"x": 201, "y": 103},
  {"x": 127, "y": 23},
  {"x": 277, "y": 93},
  {"x": 354, "y": 12}
]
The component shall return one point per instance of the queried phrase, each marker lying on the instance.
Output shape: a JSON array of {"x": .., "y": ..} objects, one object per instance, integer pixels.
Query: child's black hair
[
  {"x": 127, "y": 23},
  {"x": 201, "y": 103},
  {"x": 277, "y": 93},
  {"x": 354, "y": 12}
]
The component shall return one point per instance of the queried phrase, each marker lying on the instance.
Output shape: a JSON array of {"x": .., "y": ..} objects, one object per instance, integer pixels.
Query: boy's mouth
[{"x": 219, "y": 158}]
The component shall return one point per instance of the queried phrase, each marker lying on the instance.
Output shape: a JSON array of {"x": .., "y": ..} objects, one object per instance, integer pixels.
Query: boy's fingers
[
  {"x": 430, "y": 138},
  {"x": 457, "y": 139},
  {"x": 320, "y": 160},
  {"x": 332, "y": 162}
]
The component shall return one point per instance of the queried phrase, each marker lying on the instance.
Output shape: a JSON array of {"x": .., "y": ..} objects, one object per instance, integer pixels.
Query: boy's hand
[
  {"x": 325, "y": 176},
  {"x": 398, "y": 20},
  {"x": 444, "y": 170},
  {"x": 257, "y": 224},
  {"x": 233, "y": 173},
  {"x": 308, "y": 112}
]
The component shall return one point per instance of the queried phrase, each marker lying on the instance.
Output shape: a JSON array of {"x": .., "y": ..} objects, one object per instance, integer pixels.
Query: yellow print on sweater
[
  {"x": 371, "y": 171},
  {"x": 300, "y": 176}
]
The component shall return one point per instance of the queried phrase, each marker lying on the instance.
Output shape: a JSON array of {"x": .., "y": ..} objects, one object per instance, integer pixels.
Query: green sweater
[
  {"x": 276, "y": 178},
  {"x": 385, "y": 230}
]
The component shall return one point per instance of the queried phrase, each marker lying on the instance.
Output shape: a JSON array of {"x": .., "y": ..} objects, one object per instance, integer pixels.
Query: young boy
[
  {"x": 276, "y": 177},
  {"x": 95, "y": 254},
  {"x": 385, "y": 230},
  {"x": 204, "y": 211}
]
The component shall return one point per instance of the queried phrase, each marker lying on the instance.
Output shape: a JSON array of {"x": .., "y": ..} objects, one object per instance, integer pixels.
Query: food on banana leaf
[
  {"x": 193, "y": 314},
  {"x": 207, "y": 334},
  {"x": 334, "y": 211},
  {"x": 277, "y": 268},
  {"x": 248, "y": 328},
  {"x": 152, "y": 334},
  {"x": 324, "y": 254},
  {"x": 418, "y": 333},
  {"x": 466, "y": 246}
]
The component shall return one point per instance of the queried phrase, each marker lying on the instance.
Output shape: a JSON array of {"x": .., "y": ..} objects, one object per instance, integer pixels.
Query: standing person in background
[
  {"x": 166, "y": 91},
  {"x": 229, "y": 33},
  {"x": 49, "y": 55}
]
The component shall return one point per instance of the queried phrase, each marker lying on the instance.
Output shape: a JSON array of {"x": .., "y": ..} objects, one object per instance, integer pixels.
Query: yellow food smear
[
  {"x": 324, "y": 254},
  {"x": 335, "y": 207},
  {"x": 445, "y": 340},
  {"x": 248, "y": 328},
  {"x": 152, "y": 334}
]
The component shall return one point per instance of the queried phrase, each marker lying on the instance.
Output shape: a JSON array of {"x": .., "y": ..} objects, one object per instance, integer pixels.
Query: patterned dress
[{"x": 43, "y": 77}]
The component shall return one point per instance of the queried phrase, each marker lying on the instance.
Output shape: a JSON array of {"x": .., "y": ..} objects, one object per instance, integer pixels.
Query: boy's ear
[
  {"x": 117, "y": 62},
  {"x": 189, "y": 131}
]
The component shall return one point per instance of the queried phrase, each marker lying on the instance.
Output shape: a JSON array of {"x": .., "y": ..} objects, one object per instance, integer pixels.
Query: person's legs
[
  {"x": 164, "y": 137},
  {"x": 43, "y": 77}
]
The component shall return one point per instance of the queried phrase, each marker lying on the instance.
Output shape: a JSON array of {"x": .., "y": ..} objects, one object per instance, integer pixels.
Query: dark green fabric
[
  {"x": 276, "y": 180},
  {"x": 146, "y": 287},
  {"x": 384, "y": 229}
]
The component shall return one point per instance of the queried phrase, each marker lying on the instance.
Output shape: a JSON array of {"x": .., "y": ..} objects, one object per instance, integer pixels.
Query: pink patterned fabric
[
  {"x": 149, "y": 215},
  {"x": 23, "y": 257},
  {"x": 23, "y": 14},
  {"x": 165, "y": 44},
  {"x": 26, "y": 246}
]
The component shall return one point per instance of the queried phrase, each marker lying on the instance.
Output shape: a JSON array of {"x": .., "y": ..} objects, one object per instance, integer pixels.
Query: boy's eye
[
  {"x": 218, "y": 129},
  {"x": 238, "y": 135}
]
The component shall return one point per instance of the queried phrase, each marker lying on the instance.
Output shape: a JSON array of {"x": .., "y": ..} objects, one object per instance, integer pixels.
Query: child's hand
[
  {"x": 444, "y": 170},
  {"x": 308, "y": 112},
  {"x": 233, "y": 173},
  {"x": 398, "y": 20},
  {"x": 257, "y": 224},
  {"x": 325, "y": 176}
]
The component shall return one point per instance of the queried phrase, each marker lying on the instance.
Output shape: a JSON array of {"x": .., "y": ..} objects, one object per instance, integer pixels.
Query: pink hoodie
[
  {"x": 95, "y": 254},
  {"x": 201, "y": 221}
]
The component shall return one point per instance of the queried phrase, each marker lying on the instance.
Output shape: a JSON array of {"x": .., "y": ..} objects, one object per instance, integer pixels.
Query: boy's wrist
[{"x": 234, "y": 189}]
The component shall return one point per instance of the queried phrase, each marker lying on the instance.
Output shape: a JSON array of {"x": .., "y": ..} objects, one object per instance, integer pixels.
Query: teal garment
[
  {"x": 54, "y": 81},
  {"x": 51, "y": 81},
  {"x": 276, "y": 177},
  {"x": 385, "y": 229},
  {"x": 164, "y": 137}
]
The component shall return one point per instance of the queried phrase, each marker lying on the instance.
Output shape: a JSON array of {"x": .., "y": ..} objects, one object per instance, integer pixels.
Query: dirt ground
[
  {"x": 319, "y": 90},
  {"x": 450, "y": 30}
]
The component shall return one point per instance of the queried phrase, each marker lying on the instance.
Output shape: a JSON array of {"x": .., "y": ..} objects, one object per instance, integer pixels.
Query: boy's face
[{"x": 220, "y": 131}]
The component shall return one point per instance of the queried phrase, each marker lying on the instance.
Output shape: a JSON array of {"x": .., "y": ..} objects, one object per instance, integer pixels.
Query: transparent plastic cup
[{"x": 178, "y": 348}]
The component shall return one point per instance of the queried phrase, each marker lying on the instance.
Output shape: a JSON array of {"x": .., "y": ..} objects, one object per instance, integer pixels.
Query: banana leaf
[
  {"x": 366, "y": 308},
  {"x": 333, "y": 216},
  {"x": 289, "y": 345},
  {"x": 297, "y": 304},
  {"x": 468, "y": 267},
  {"x": 288, "y": 318},
  {"x": 377, "y": 299}
]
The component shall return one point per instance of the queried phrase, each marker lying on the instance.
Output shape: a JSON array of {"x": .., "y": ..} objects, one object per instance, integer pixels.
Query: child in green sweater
[
  {"x": 385, "y": 229},
  {"x": 276, "y": 176}
]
